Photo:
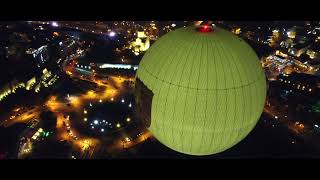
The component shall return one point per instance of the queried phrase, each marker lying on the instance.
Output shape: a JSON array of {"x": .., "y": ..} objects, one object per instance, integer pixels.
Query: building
[
  {"x": 200, "y": 89},
  {"x": 302, "y": 82},
  {"x": 141, "y": 43}
]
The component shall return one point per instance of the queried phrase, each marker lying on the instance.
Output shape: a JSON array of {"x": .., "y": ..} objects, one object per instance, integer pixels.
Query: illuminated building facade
[
  {"x": 141, "y": 44},
  {"x": 47, "y": 79}
]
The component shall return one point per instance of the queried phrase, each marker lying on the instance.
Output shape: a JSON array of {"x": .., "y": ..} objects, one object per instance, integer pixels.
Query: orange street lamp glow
[
  {"x": 127, "y": 139},
  {"x": 91, "y": 94},
  {"x": 75, "y": 101}
]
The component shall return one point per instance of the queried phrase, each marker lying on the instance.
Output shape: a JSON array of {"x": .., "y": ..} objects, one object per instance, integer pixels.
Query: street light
[
  {"x": 54, "y": 24},
  {"x": 112, "y": 34},
  {"x": 118, "y": 125}
]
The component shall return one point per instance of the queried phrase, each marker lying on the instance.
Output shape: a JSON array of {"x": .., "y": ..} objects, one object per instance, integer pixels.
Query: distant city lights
[{"x": 109, "y": 95}]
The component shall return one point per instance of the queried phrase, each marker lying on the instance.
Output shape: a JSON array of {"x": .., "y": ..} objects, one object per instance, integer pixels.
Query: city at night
[{"x": 159, "y": 89}]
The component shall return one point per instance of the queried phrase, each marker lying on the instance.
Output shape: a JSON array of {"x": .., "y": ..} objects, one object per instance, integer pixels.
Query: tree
[
  {"x": 48, "y": 121},
  {"x": 316, "y": 107}
]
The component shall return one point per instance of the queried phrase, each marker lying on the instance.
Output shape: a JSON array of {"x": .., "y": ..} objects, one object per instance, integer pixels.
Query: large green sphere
[{"x": 208, "y": 89}]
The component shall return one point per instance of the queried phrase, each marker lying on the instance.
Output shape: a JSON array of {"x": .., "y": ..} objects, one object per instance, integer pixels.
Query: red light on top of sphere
[{"x": 205, "y": 28}]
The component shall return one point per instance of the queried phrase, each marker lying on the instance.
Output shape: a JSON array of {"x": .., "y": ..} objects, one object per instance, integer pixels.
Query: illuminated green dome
[{"x": 208, "y": 90}]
